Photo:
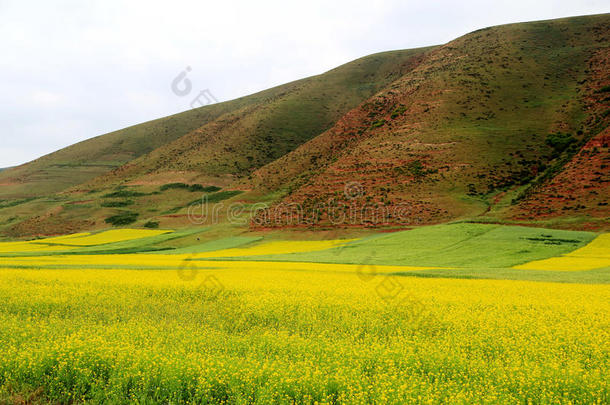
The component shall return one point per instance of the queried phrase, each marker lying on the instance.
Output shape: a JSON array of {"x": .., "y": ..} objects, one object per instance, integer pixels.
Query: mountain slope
[
  {"x": 579, "y": 183},
  {"x": 287, "y": 114},
  {"x": 82, "y": 161},
  {"x": 489, "y": 127},
  {"x": 247, "y": 138},
  {"x": 470, "y": 122}
]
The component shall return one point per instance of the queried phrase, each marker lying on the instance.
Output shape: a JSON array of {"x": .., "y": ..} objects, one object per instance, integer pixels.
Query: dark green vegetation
[
  {"x": 123, "y": 194},
  {"x": 117, "y": 204},
  {"x": 124, "y": 218},
  {"x": 506, "y": 124},
  {"x": 189, "y": 187},
  {"x": 559, "y": 142},
  {"x": 13, "y": 203}
]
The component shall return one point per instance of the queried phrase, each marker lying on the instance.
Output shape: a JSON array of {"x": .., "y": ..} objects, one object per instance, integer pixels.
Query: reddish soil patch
[{"x": 583, "y": 186}]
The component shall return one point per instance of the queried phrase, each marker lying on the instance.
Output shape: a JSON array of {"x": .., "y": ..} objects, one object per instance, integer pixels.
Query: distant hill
[
  {"x": 225, "y": 138},
  {"x": 505, "y": 124}
]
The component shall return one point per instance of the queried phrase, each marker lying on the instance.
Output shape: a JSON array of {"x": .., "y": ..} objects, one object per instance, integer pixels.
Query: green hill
[
  {"x": 478, "y": 126},
  {"x": 246, "y": 138},
  {"x": 494, "y": 126},
  {"x": 268, "y": 124}
]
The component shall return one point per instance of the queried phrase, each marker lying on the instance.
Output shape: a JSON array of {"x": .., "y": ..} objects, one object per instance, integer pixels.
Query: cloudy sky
[{"x": 71, "y": 70}]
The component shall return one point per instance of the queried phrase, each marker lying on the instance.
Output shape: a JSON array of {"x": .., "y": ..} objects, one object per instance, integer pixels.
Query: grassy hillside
[
  {"x": 288, "y": 114},
  {"x": 247, "y": 138},
  {"x": 211, "y": 144},
  {"x": 473, "y": 123},
  {"x": 577, "y": 183},
  {"x": 85, "y": 160},
  {"x": 490, "y": 127}
]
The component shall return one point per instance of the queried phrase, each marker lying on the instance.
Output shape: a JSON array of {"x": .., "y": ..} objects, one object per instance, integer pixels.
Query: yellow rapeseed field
[
  {"x": 207, "y": 328},
  {"x": 278, "y": 247},
  {"x": 115, "y": 235},
  {"x": 30, "y": 247},
  {"x": 69, "y": 242},
  {"x": 260, "y": 335},
  {"x": 181, "y": 261}
]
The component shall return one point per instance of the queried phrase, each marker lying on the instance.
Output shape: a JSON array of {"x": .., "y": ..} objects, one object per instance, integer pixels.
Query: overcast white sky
[{"x": 71, "y": 70}]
